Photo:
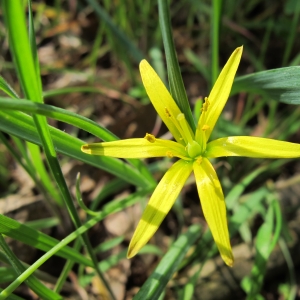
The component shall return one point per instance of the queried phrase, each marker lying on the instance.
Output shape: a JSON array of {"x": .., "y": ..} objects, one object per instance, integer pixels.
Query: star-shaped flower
[{"x": 193, "y": 151}]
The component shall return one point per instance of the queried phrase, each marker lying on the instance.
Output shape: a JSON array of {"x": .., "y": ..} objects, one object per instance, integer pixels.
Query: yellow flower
[{"x": 193, "y": 151}]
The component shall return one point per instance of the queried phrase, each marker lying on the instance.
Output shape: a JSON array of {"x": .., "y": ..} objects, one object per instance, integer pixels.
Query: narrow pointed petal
[
  {"x": 213, "y": 206},
  {"x": 136, "y": 148},
  {"x": 160, "y": 204},
  {"x": 161, "y": 98},
  {"x": 252, "y": 147},
  {"x": 219, "y": 94}
]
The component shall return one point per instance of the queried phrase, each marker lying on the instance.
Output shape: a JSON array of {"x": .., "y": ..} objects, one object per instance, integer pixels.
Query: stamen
[
  {"x": 169, "y": 154},
  {"x": 205, "y": 127},
  {"x": 199, "y": 160},
  {"x": 150, "y": 137},
  {"x": 167, "y": 113},
  {"x": 205, "y": 105}
]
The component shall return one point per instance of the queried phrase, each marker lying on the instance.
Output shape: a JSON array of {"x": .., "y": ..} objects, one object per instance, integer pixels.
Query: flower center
[{"x": 192, "y": 147}]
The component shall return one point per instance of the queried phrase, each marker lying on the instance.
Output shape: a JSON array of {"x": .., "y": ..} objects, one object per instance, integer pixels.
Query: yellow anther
[
  {"x": 205, "y": 127},
  {"x": 150, "y": 137},
  {"x": 199, "y": 160},
  {"x": 205, "y": 104},
  {"x": 167, "y": 113},
  {"x": 169, "y": 154}
]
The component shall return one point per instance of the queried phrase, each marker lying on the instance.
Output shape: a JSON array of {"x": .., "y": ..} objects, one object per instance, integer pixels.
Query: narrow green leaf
[
  {"x": 120, "y": 36},
  {"x": 215, "y": 15},
  {"x": 21, "y": 125},
  {"x": 159, "y": 278},
  {"x": 33, "y": 283},
  {"x": 108, "y": 209},
  {"x": 7, "y": 89},
  {"x": 72, "y": 119},
  {"x": 37, "y": 239},
  {"x": 175, "y": 80},
  {"x": 278, "y": 84}
]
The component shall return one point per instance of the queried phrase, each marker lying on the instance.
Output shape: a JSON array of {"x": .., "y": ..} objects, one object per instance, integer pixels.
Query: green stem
[
  {"x": 216, "y": 12},
  {"x": 175, "y": 80}
]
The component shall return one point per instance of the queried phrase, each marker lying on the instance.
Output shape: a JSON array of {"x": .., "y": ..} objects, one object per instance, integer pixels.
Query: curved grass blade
[
  {"x": 72, "y": 119},
  {"x": 278, "y": 84},
  {"x": 32, "y": 282},
  {"x": 120, "y": 36},
  {"x": 21, "y": 125},
  {"x": 110, "y": 208},
  {"x": 157, "y": 282},
  {"x": 175, "y": 80},
  {"x": 7, "y": 89},
  {"x": 37, "y": 239}
]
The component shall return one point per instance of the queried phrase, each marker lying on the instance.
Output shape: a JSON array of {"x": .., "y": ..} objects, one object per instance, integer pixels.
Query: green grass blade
[
  {"x": 175, "y": 80},
  {"x": 7, "y": 89},
  {"x": 12, "y": 296},
  {"x": 197, "y": 63},
  {"x": 32, "y": 282},
  {"x": 266, "y": 240},
  {"x": 60, "y": 115},
  {"x": 43, "y": 174},
  {"x": 215, "y": 15},
  {"x": 37, "y": 239},
  {"x": 22, "y": 126},
  {"x": 292, "y": 33},
  {"x": 72, "y": 119},
  {"x": 277, "y": 84},
  {"x": 157, "y": 282},
  {"x": 107, "y": 210},
  {"x": 120, "y": 36}
]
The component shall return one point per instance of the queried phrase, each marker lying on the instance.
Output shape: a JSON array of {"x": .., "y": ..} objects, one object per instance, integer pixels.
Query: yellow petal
[
  {"x": 161, "y": 99},
  {"x": 136, "y": 148},
  {"x": 213, "y": 206},
  {"x": 219, "y": 94},
  {"x": 252, "y": 147},
  {"x": 160, "y": 204}
]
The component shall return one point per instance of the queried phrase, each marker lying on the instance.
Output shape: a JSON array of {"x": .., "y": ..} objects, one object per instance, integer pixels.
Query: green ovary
[{"x": 193, "y": 149}]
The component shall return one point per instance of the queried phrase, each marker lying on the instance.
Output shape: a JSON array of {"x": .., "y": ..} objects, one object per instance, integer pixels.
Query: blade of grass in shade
[
  {"x": 42, "y": 223},
  {"x": 266, "y": 240},
  {"x": 292, "y": 285},
  {"x": 43, "y": 175},
  {"x": 41, "y": 241},
  {"x": 32, "y": 282},
  {"x": 75, "y": 120},
  {"x": 30, "y": 170},
  {"x": 38, "y": 240},
  {"x": 88, "y": 89},
  {"x": 7, "y": 89},
  {"x": 168, "y": 265},
  {"x": 125, "y": 43},
  {"x": 175, "y": 80},
  {"x": 12, "y": 296},
  {"x": 80, "y": 200},
  {"x": 215, "y": 16},
  {"x": 197, "y": 63},
  {"x": 157, "y": 63},
  {"x": 34, "y": 150},
  {"x": 108, "y": 209},
  {"x": 28, "y": 74},
  {"x": 7, "y": 274},
  {"x": 110, "y": 188},
  {"x": 277, "y": 84},
  {"x": 33, "y": 48},
  {"x": 21, "y": 125},
  {"x": 189, "y": 288},
  {"x": 67, "y": 268},
  {"x": 292, "y": 32}
]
